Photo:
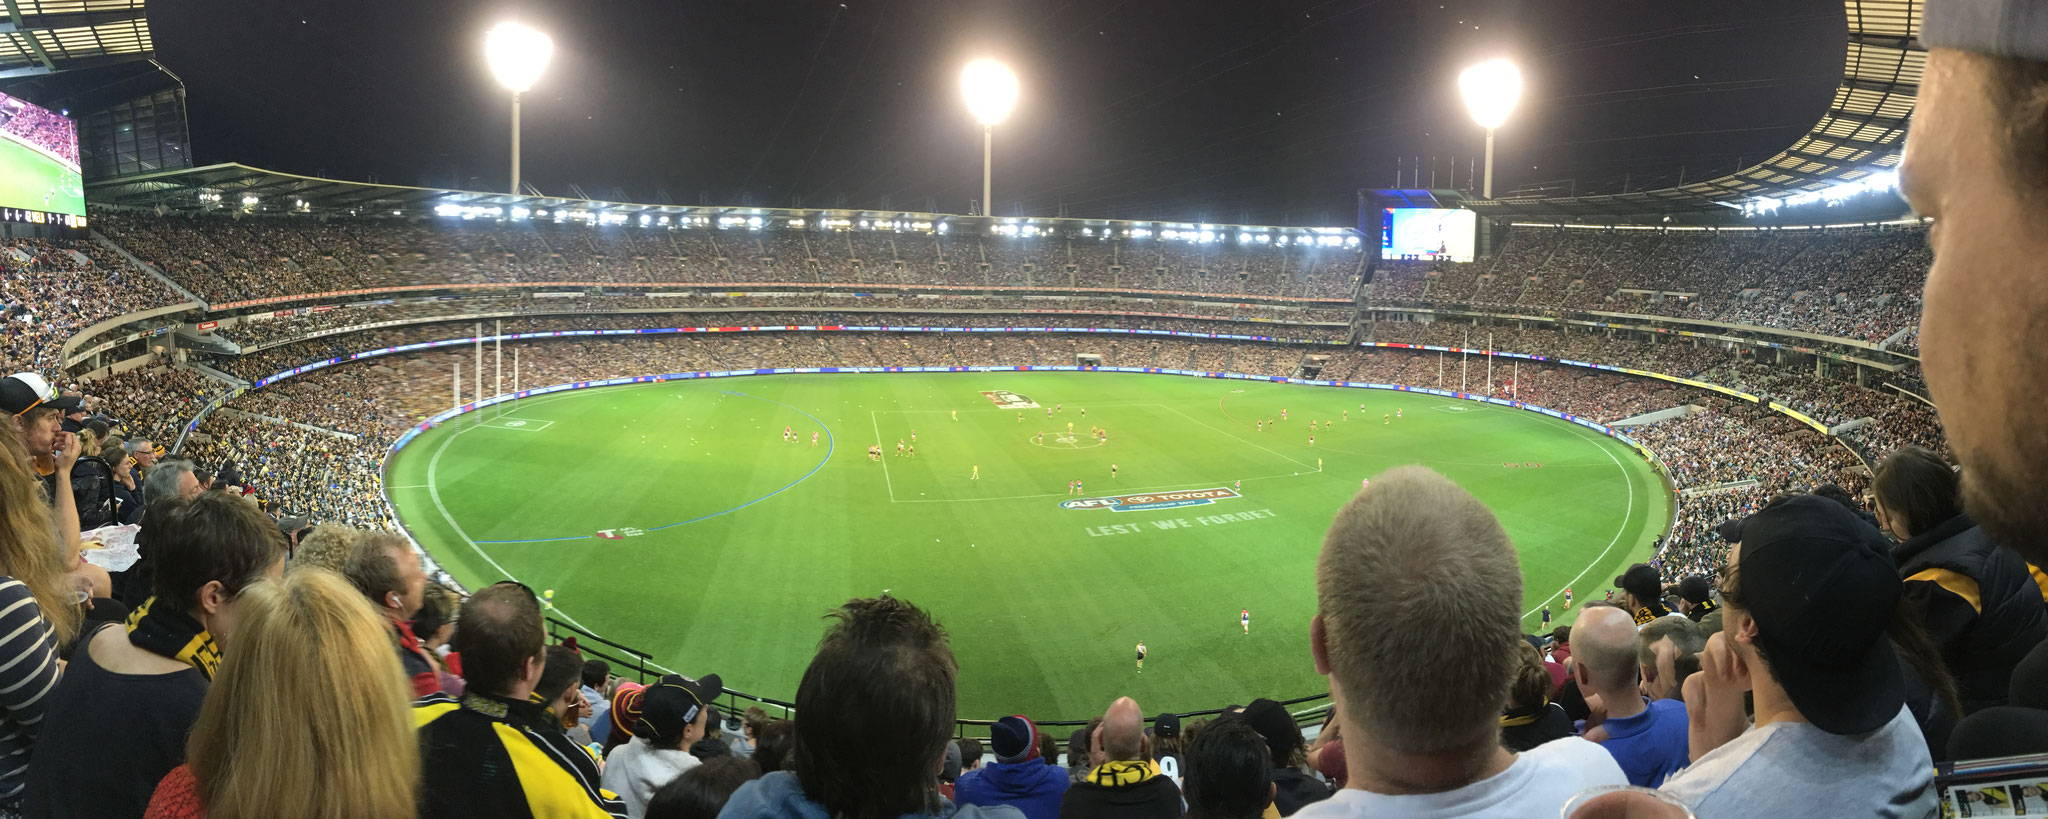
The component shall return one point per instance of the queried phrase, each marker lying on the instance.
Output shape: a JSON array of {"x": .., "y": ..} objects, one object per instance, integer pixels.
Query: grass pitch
[
  {"x": 675, "y": 518},
  {"x": 36, "y": 182}
]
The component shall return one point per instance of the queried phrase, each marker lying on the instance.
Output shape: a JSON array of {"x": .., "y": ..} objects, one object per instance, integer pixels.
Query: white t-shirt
[
  {"x": 1795, "y": 769},
  {"x": 636, "y": 770},
  {"x": 1542, "y": 779}
]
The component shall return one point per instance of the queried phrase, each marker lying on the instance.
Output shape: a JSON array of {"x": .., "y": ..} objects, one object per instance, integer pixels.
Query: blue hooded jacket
[
  {"x": 1030, "y": 786},
  {"x": 779, "y": 795}
]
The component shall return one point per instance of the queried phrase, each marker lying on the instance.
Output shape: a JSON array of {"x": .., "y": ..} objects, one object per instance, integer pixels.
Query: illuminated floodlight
[
  {"x": 517, "y": 54},
  {"x": 990, "y": 89},
  {"x": 1491, "y": 90},
  {"x": 991, "y": 92}
]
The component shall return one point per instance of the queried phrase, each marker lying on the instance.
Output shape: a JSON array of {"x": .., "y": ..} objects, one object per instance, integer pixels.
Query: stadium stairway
[
  {"x": 141, "y": 265},
  {"x": 1665, "y": 414}
]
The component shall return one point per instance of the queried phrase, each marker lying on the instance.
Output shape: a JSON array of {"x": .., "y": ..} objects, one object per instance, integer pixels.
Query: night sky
[{"x": 1259, "y": 111}]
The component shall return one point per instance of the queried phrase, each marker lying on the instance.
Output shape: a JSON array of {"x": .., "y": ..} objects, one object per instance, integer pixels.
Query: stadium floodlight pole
[
  {"x": 1491, "y": 90},
  {"x": 991, "y": 91},
  {"x": 517, "y": 54}
]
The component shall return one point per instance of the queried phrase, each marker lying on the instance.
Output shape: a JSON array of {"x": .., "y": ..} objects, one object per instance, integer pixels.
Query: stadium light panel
[
  {"x": 1491, "y": 90},
  {"x": 517, "y": 55},
  {"x": 990, "y": 89}
]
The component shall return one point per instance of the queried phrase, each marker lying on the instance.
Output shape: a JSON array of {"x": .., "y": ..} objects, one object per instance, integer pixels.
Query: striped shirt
[{"x": 28, "y": 671}]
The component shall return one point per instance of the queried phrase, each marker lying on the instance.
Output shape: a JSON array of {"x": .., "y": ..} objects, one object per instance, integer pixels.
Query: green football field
[
  {"x": 674, "y": 518},
  {"x": 31, "y": 180}
]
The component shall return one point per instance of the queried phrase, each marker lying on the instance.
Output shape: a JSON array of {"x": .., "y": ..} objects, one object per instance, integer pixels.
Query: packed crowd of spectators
[
  {"x": 40, "y": 127},
  {"x": 1856, "y": 283},
  {"x": 227, "y": 259},
  {"x": 52, "y": 288},
  {"x": 253, "y": 335}
]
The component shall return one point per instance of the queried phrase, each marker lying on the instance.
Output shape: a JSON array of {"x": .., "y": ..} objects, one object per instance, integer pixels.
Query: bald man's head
[
  {"x": 1122, "y": 735},
  {"x": 1604, "y": 644}
]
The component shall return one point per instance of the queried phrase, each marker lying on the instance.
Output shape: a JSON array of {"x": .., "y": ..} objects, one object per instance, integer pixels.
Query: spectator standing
[
  {"x": 36, "y": 613},
  {"x": 1977, "y": 602},
  {"x": 1809, "y": 593},
  {"x": 1647, "y": 737},
  {"x": 1228, "y": 772},
  {"x": 144, "y": 682},
  {"x": 874, "y": 714},
  {"x": 1126, "y": 782},
  {"x": 673, "y": 712},
  {"x": 383, "y": 566},
  {"x": 276, "y": 729},
  {"x": 1294, "y": 785},
  {"x": 1018, "y": 777},
  {"x": 1417, "y": 630},
  {"x": 1975, "y": 162},
  {"x": 491, "y": 752}
]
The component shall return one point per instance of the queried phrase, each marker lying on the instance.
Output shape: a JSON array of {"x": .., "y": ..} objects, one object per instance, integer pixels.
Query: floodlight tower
[
  {"x": 1491, "y": 90},
  {"x": 991, "y": 91},
  {"x": 517, "y": 55}
]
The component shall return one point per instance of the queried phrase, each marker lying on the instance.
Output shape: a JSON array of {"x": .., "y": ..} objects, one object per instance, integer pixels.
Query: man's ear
[
  {"x": 212, "y": 597},
  {"x": 1318, "y": 645}
]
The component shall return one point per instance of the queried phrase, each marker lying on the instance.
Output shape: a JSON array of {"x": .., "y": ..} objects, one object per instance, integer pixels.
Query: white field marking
[
  {"x": 1203, "y": 484},
  {"x": 1229, "y": 435},
  {"x": 889, "y": 484},
  {"x": 433, "y": 489},
  {"x": 409, "y": 486},
  {"x": 517, "y": 424},
  {"x": 1628, "y": 481}
]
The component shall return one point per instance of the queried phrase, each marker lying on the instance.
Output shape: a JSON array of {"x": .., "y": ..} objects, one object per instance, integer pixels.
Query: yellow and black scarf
[
  {"x": 1123, "y": 773},
  {"x": 174, "y": 634}
]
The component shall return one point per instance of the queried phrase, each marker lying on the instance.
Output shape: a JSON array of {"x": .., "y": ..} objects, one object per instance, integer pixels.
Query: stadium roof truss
[
  {"x": 1861, "y": 133},
  {"x": 47, "y": 36}
]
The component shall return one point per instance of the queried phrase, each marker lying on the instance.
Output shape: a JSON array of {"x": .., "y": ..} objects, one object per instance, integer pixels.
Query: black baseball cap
[
  {"x": 22, "y": 392},
  {"x": 1693, "y": 589},
  {"x": 1272, "y": 721},
  {"x": 673, "y": 703},
  {"x": 1641, "y": 582},
  {"x": 1730, "y": 530},
  {"x": 1822, "y": 586},
  {"x": 1166, "y": 725}
]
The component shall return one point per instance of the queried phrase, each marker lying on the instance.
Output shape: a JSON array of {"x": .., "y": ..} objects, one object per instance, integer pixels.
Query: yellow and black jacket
[
  {"x": 1977, "y": 601},
  {"x": 491, "y": 756}
]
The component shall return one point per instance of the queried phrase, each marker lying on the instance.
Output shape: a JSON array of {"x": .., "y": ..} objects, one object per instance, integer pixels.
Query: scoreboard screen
[{"x": 1428, "y": 233}]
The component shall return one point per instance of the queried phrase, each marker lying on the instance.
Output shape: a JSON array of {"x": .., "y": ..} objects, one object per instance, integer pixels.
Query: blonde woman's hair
[
  {"x": 310, "y": 706},
  {"x": 29, "y": 551}
]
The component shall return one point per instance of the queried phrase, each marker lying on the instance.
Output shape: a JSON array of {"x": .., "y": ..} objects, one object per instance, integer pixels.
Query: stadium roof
[
  {"x": 224, "y": 188},
  {"x": 1861, "y": 133},
  {"x": 47, "y": 36}
]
